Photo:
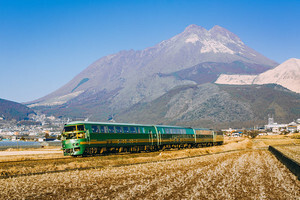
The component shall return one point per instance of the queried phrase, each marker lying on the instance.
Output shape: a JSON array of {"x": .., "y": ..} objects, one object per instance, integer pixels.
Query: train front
[{"x": 73, "y": 138}]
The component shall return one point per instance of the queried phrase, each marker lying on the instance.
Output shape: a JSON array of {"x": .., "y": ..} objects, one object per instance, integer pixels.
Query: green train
[{"x": 91, "y": 138}]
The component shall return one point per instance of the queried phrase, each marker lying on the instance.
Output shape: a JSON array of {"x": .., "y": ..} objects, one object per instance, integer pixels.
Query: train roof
[
  {"x": 123, "y": 124},
  {"x": 108, "y": 123}
]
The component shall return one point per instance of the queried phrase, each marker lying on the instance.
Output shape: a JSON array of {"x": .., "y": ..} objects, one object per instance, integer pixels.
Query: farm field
[
  {"x": 254, "y": 174},
  {"x": 28, "y": 165},
  {"x": 240, "y": 169},
  {"x": 292, "y": 151}
]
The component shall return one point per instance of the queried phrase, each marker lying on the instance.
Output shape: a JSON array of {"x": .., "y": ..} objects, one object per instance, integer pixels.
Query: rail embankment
[{"x": 289, "y": 156}]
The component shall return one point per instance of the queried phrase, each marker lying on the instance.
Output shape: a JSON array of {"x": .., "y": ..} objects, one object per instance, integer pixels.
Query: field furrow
[{"x": 252, "y": 174}]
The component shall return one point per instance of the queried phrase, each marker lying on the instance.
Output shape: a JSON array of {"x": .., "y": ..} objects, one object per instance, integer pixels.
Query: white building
[{"x": 277, "y": 128}]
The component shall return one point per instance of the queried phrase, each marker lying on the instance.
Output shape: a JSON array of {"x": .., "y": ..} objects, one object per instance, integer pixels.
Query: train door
[
  {"x": 157, "y": 136},
  {"x": 87, "y": 135},
  {"x": 160, "y": 131},
  {"x": 151, "y": 138}
]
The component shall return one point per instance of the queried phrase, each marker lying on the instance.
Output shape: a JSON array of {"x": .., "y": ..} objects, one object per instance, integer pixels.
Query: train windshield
[
  {"x": 69, "y": 129},
  {"x": 73, "y": 132}
]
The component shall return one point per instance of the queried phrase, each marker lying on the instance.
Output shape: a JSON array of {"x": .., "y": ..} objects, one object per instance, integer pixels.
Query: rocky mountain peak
[
  {"x": 223, "y": 34},
  {"x": 194, "y": 28}
]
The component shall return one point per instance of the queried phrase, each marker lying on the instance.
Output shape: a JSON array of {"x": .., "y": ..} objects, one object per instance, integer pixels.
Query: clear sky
[{"x": 45, "y": 43}]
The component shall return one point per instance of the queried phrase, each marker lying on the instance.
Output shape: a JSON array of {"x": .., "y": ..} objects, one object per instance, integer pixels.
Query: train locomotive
[{"x": 91, "y": 138}]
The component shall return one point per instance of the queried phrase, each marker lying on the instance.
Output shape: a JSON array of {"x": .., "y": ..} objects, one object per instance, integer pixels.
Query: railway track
[{"x": 117, "y": 165}]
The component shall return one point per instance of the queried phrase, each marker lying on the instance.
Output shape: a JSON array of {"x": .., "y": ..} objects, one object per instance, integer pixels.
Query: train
[{"x": 80, "y": 138}]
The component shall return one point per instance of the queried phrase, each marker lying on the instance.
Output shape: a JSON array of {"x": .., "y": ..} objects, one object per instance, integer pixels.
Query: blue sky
[{"x": 44, "y": 44}]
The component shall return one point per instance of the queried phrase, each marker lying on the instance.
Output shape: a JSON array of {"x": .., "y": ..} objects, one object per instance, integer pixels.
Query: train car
[{"x": 89, "y": 138}]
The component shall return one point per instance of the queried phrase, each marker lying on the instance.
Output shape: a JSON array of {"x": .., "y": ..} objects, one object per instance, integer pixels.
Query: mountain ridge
[
  {"x": 117, "y": 82},
  {"x": 13, "y": 110},
  {"x": 174, "y": 54}
]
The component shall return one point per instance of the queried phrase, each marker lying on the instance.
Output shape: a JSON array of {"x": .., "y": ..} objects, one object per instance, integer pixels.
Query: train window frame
[
  {"x": 102, "y": 129},
  {"x": 118, "y": 129},
  {"x": 125, "y": 129},
  {"x": 132, "y": 129},
  {"x": 95, "y": 129},
  {"x": 111, "y": 129},
  {"x": 138, "y": 130}
]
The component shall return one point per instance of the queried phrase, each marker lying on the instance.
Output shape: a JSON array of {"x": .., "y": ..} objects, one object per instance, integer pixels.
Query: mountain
[
  {"x": 286, "y": 74},
  {"x": 12, "y": 110},
  {"x": 117, "y": 82},
  {"x": 217, "y": 106}
]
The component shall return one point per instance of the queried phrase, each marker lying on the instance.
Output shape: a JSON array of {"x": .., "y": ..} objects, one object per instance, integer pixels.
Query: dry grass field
[
  {"x": 240, "y": 169},
  {"x": 29, "y": 165},
  {"x": 252, "y": 174},
  {"x": 292, "y": 151}
]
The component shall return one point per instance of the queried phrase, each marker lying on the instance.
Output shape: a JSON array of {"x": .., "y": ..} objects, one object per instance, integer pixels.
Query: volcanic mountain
[{"x": 115, "y": 83}]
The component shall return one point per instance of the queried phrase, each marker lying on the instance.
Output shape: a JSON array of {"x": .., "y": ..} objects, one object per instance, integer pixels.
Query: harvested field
[
  {"x": 291, "y": 151},
  {"x": 251, "y": 174},
  {"x": 277, "y": 140},
  {"x": 70, "y": 163},
  {"x": 240, "y": 169}
]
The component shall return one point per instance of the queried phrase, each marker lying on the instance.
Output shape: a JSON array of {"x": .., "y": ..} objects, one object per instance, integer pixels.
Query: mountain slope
[
  {"x": 217, "y": 106},
  {"x": 12, "y": 110},
  {"x": 116, "y": 82}
]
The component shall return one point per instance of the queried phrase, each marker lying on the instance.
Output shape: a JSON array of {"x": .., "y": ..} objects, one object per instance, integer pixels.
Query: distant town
[
  {"x": 48, "y": 128},
  {"x": 272, "y": 128},
  {"x": 38, "y": 128}
]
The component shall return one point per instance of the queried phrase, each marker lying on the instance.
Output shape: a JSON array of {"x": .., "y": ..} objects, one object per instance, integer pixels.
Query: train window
[
  {"x": 118, "y": 129},
  {"x": 132, "y": 130},
  {"x": 111, "y": 129},
  {"x": 142, "y": 130},
  {"x": 80, "y": 128},
  {"x": 184, "y": 131},
  {"x": 69, "y": 128},
  {"x": 138, "y": 129},
  {"x": 102, "y": 129},
  {"x": 95, "y": 129},
  {"x": 126, "y": 129}
]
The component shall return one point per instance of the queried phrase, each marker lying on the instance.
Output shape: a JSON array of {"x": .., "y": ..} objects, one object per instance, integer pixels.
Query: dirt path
[{"x": 29, "y": 152}]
